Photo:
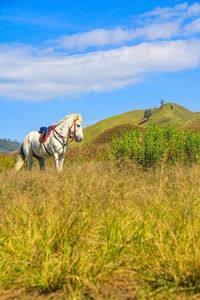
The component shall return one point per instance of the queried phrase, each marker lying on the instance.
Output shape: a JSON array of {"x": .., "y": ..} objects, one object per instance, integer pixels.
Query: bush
[
  {"x": 127, "y": 145},
  {"x": 158, "y": 144}
]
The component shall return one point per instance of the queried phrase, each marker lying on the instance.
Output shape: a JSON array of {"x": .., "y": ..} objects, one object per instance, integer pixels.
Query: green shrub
[
  {"x": 153, "y": 145},
  {"x": 192, "y": 145},
  {"x": 127, "y": 145},
  {"x": 158, "y": 144}
]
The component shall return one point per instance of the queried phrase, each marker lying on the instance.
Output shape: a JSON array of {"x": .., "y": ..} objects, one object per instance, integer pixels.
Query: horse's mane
[{"x": 74, "y": 116}]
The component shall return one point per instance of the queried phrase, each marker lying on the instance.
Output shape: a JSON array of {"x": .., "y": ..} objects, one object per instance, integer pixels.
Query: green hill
[
  {"x": 8, "y": 146},
  {"x": 172, "y": 113}
]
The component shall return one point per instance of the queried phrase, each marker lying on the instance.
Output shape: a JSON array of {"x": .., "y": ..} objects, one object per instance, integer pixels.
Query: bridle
[
  {"x": 70, "y": 129},
  {"x": 74, "y": 133}
]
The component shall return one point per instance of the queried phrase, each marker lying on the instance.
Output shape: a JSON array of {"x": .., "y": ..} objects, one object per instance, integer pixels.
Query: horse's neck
[{"x": 63, "y": 128}]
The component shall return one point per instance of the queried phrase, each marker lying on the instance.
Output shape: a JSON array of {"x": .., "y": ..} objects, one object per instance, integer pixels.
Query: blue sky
[{"x": 97, "y": 58}]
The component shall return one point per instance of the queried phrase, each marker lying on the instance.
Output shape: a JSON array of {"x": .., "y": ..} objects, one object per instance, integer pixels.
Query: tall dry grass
[{"x": 98, "y": 223}]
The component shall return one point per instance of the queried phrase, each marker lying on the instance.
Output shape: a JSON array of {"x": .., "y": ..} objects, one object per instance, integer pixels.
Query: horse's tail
[{"x": 20, "y": 159}]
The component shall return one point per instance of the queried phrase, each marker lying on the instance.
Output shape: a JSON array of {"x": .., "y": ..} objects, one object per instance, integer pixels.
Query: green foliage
[
  {"x": 158, "y": 144},
  {"x": 127, "y": 145},
  {"x": 7, "y": 162},
  {"x": 152, "y": 145}
]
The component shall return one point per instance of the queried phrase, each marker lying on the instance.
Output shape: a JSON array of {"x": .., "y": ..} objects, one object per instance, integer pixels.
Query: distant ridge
[
  {"x": 169, "y": 113},
  {"x": 7, "y": 146}
]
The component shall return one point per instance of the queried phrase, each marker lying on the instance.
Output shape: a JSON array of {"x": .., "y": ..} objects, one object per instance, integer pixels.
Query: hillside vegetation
[
  {"x": 170, "y": 113},
  {"x": 8, "y": 146},
  {"x": 195, "y": 119}
]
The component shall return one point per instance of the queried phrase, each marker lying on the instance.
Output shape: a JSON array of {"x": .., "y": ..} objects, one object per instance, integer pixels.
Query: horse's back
[{"x": 31, "y": 136}]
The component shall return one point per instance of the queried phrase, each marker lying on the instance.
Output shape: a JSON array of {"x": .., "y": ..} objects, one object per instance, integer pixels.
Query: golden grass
[{"x": 99, "y": 225}]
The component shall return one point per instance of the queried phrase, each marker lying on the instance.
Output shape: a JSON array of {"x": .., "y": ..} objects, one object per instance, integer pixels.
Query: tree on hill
[
  {"x": 147, "y": 113},
  {"x": 161, "y": 103}
]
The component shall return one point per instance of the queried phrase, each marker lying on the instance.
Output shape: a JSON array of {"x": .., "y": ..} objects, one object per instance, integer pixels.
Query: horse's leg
[
  {"x": 42, "y": 164},
  {"x": 41, "y": 161},
  {"x": 61, "y": 160},
  {"x": 56, "y": 160},
  {"x": 30, "y": 159}
]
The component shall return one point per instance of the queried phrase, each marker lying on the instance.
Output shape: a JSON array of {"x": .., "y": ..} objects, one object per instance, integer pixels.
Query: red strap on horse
[
  {"x": 47, "y": 135},
  {"x": 64, "y": 137},
  {"x": 69, "y": 137}
]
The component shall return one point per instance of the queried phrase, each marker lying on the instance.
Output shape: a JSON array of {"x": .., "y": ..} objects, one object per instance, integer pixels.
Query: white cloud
[
  {"x": 160, "y": 23},
  {"x": 97, "y": 37},
  {"x": 176, "y": 11},
  {"x": 36, "y": 78},
  {"x": 182, "y": 11},
  {"x": 159, "y": 31},
  {"x": 118, "y": 36},
  {"x": 193, "y": 27},
  {"x": 194, "y": 9}
]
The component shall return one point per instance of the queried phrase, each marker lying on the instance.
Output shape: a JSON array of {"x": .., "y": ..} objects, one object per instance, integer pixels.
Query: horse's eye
[{"x": 78, "y": 125}]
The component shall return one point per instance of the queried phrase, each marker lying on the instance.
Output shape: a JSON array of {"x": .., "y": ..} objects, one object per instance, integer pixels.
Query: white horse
[{"x": 55, "y": 145}]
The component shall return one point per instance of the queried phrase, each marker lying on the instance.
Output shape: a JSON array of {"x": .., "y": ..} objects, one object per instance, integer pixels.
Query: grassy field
[
  {"x": 100, "y": 230},
  {"x": 107, "y": 227}
]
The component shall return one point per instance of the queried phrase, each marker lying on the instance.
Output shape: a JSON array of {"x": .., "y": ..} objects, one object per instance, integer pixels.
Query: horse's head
[{"x": 75, "y": 128}]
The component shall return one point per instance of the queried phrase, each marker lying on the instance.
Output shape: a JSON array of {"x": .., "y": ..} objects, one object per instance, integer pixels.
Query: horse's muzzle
[{"x": 78, "y": 139}]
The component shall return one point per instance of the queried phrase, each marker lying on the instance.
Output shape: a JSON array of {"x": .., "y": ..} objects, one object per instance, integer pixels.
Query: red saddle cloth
[{"x": 44, "y": 133}]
